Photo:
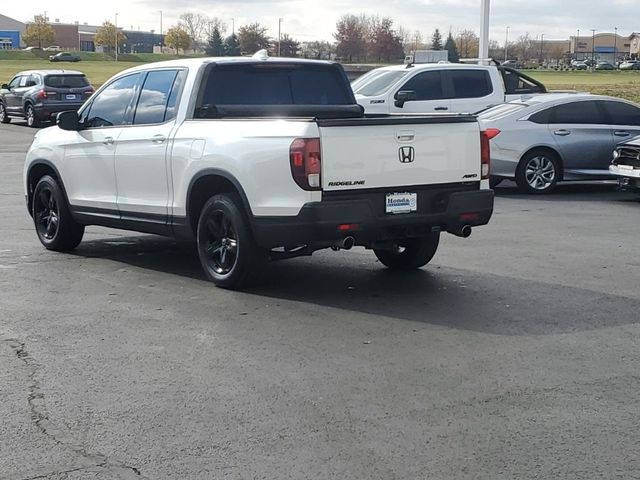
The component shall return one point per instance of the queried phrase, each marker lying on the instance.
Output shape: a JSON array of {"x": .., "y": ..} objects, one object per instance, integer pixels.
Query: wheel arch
[
  {"x": 37, "y": 170},
  {"x": 204, "y": 185}
]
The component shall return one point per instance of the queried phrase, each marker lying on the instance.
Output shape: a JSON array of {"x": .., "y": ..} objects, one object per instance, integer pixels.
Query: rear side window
[
  {"x": 583, "y": 113},
  {"x": 109, "y": 107},
  {"x": 470, "y": 83},
  {"x": 154, "y": 97},
  {"x": 66, "y": 81},
  {"x": 276, "y": 84},
  {"x": 622, "y": 113},
  {"x": 542, "y": 117},
  {"x": 427, "y": 85}
]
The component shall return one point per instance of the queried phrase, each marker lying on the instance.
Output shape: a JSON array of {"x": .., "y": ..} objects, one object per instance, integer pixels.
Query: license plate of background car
[
  {"x": 396, "y": 203},
  {"x": 71, "y": 97}
]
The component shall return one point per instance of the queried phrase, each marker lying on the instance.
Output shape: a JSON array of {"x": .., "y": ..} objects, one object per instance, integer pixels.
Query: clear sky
[{"x": 315, "y": 20}]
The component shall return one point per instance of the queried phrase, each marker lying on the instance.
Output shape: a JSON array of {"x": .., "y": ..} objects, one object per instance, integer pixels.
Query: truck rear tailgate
[{"x": 396, "y": 151}]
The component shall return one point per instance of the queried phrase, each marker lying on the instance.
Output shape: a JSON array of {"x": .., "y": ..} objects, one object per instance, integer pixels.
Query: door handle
[
  {"x": 441, "y": 109},
  {"x": 621, "y": 133},
  {"x": 562, "y": 133},
  {"x": 158, "y": 139},
  {"x": 108, "y": 140},
  {"x": 405, "y": 136}
]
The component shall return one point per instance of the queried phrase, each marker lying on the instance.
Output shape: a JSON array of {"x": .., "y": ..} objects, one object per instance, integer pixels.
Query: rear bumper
[
  {"x": 48, "y": 111},
  {"x": 318, "y": 222},
  {"x": 628, "y": 179}
]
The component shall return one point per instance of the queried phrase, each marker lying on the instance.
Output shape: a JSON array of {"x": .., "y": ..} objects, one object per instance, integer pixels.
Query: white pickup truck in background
[
  {"x": 441, "y": 88},
  {"x": 256, "y": 159}
]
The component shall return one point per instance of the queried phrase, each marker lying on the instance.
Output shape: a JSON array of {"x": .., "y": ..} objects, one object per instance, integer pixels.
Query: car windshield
[
  {"x": 66, "y": 81},
  {"x": 380, "y": 83},
  {"x": 501, "y": 111}
]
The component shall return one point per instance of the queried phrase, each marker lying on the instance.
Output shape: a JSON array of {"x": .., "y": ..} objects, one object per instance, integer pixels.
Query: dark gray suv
[{"x": 39, "y": 95}]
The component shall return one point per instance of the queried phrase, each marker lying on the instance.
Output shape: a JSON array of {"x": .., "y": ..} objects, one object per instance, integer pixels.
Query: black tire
[
  {"x": 56, "y": 228},
  {"x": 30, "y": 114},
  {"x": 495, "y": 181},
  {"x": 4, "y": 116},
  {"x": 228, "y": 252},
  {"x": 409, "y": 254},
  {"x": 538, "y": 172}
]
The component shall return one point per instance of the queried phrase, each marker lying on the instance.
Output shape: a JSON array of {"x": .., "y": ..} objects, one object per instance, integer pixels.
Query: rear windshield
[
  {"x": 66, "y": 81},
  {"x": 380, "y": 83},
  {"x": 501, "y": 111},
  {"x": 276, "y": 84}
]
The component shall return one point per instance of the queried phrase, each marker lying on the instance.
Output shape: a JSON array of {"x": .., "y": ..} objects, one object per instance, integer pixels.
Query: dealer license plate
[
  {"x": 71, "y": 97},
  {"x": 401, "y": 203}
]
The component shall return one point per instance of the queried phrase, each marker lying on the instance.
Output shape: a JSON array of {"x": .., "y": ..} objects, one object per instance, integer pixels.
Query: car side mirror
[
  {"x": 69, "y": 120},
  {"x": 404, "y": 96},
  {"x": 5, "y": 86}
]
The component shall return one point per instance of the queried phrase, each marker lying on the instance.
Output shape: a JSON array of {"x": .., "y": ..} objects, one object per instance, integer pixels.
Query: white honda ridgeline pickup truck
[{"x": 256, "y": 158}]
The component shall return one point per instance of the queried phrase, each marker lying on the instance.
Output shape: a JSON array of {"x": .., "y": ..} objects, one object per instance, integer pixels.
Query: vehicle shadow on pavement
[
  {"x": 581, "y": 192},
  {"x": 437, "y": 295}
]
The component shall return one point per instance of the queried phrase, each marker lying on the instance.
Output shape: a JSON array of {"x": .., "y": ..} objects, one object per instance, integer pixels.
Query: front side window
[
  {"x": 379, "y": 84},
  {"x": 110, "y": 107},
  {"x": 152, "y": 105},
  {"x": 15, "y": 82},
  {"x": 427, "y": 85},
  {"x": 470, "y": 83},
  {"x": 584, "y": 113}
]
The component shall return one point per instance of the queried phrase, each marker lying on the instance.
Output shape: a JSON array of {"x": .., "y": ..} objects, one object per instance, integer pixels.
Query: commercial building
[
  {"x": 601, "y": 46},
  {"x": 11, "y": 32}
]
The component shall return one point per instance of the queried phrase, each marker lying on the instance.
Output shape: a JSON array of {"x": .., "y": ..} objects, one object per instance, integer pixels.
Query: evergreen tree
[
  {"x": 232, "y": 46},
  {"x": 215, "y": 45},
  {"x": 436, "y": 40},
  {"x": 451, "y": 47}
]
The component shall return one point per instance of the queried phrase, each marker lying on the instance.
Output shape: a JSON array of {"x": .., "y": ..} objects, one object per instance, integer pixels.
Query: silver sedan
[{"x": 545, "y": 139}]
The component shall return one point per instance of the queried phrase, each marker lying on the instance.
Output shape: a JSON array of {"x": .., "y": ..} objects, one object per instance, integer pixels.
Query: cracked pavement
[{"x": 514, "y": 355}]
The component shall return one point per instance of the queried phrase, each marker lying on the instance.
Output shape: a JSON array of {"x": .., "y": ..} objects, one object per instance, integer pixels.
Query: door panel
[
  {"x": 88, "y": 165},
  {"x": 141, "y": 169}
]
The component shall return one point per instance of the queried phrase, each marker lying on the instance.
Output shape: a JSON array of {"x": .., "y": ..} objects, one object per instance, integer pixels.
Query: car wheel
[
  {"x": 4, "y": 117},
  {"x": 56, "y": 228},
  {"x": 32, "y": 119},
  {"x": 228, "y": 253},
  {"x": 538, "y": 172},
  {"x": 495, "y": 181},
  {"x": 409, "y": 254}
]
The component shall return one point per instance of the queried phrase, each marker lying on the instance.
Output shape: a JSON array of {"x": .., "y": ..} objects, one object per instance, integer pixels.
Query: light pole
[
  {"x": 593, "y": 46},
  {"x": 541, "y": 48},
  {"x": 615, "y": 45},
  {"x": 577, "y": 44},
  {"x": 506, "y": 45},
  {"x": 161, "y": 37},
  {"x": 233, "y": 26},
  {"x": 483, "y": 47},
  {"x": 116, "y": 37},
  {"x": 279, "y": 36}
]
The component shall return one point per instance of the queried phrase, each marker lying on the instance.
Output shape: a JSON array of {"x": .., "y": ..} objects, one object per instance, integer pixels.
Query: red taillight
[
  {"x": 304, "y": 155},
  {"x": 485, "y": 150},
  {"x": 41, "y": 95}
]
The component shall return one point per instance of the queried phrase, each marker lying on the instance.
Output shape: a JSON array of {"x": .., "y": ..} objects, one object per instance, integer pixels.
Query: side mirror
[
  {"x": 404, "y": 96},
  {"x": 5, "y": 86},
  {"x": 69, "y": 121}
]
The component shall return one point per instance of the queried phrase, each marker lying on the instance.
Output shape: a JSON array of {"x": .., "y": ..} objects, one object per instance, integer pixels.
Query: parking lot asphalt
[{"x": 515, "y": 354}]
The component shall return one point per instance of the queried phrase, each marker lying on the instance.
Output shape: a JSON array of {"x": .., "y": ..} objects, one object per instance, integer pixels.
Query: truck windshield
[
  {"x": 379, "y": 83},
  {"x": 276, "y": 84}
]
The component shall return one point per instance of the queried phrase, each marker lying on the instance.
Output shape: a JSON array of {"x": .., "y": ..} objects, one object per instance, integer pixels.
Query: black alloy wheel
[
  {"x": 228, "y": 252},
  {"x": 56, "y": 228}
]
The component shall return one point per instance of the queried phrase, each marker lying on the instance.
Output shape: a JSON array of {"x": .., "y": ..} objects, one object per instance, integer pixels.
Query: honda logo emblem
[{"x": 407, "y": 154}]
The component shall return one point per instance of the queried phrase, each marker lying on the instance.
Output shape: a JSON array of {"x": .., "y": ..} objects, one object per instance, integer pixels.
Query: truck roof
[
  {"x": 443, "y": 65},
  {"x": 196, "y": 62}
]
